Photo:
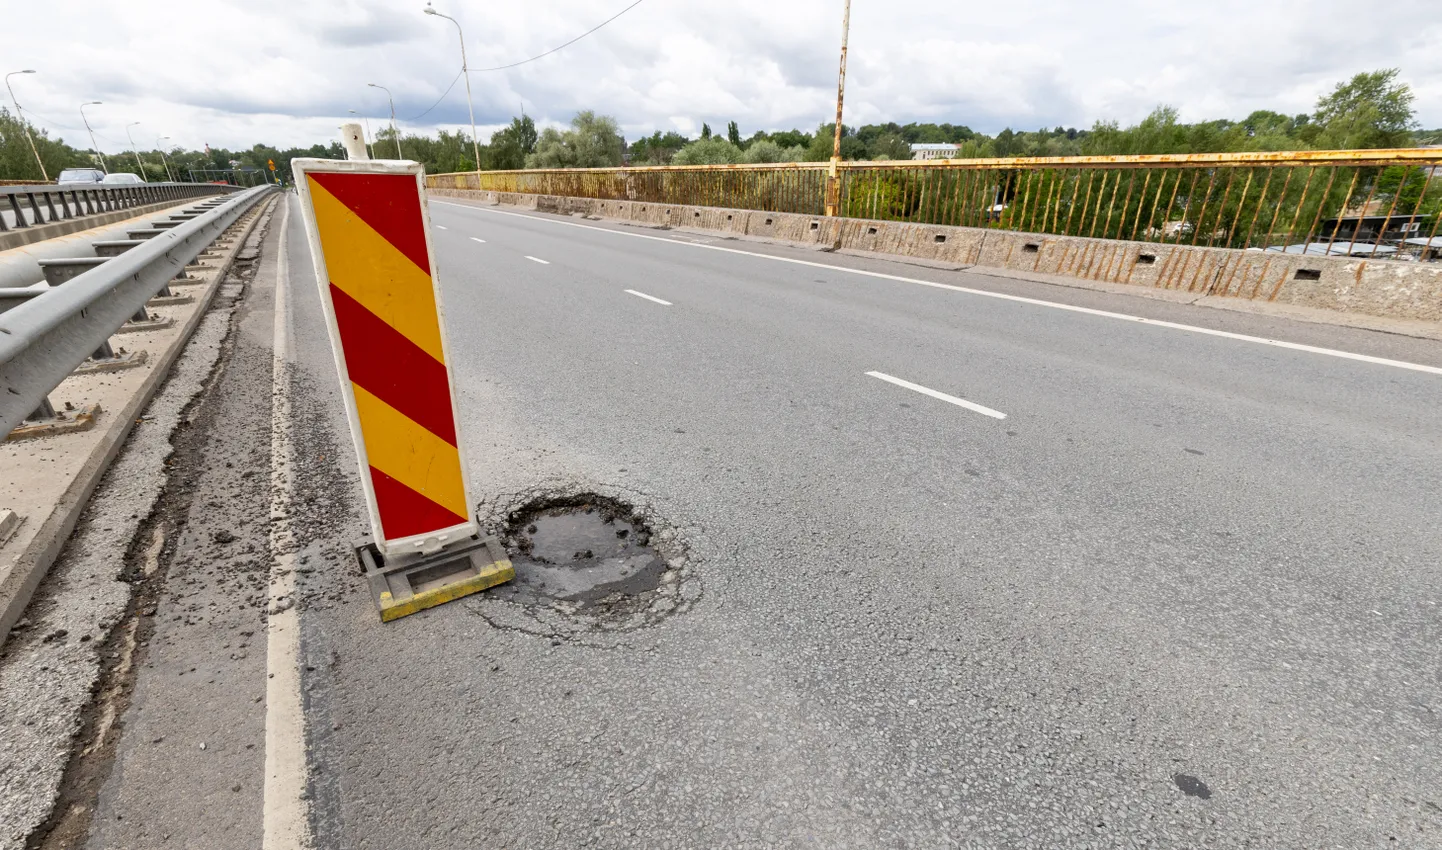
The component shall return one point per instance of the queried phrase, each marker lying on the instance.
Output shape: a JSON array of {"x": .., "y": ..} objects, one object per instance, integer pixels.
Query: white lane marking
[
  {"x": 442, "y": 227},
  {"x": 648, "y": 297},
  {"x": 1106, "y": 314},
  {"x": 478, "y": 239},
  {"x": 959, "y": 402},
  {"x": 538, "y": 260},
  {"x": 285, "y": 816}
]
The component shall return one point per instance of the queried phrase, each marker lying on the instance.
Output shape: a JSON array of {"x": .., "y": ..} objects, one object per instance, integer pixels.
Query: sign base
[{"x": 405, "y": 584}]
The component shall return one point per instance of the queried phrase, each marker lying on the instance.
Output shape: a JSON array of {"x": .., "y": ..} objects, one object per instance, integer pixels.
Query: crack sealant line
[
  {"x": 285, "y": 812},
  {"x": 1019, "y": 299}
]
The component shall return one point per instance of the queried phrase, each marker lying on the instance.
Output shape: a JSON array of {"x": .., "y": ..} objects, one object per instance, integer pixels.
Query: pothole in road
[{"x": 594, "y": 559}]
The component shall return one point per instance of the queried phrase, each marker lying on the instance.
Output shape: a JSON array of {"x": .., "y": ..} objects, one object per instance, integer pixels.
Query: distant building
[{"x": 934, "y": 151}]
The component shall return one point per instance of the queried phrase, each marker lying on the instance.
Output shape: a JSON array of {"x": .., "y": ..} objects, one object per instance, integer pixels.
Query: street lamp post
[
  {"x": 394, "y": 131},
  {"x": 367, "y": 121},
  {"x": 103, "y": 166},
  {"x": 833, "y": 184},
  {"x": 26, "y": 124},
  {"x": 466, "y": 72},
  {"x": 138, "y": 163},
  {"x": 163, "y": 160}
]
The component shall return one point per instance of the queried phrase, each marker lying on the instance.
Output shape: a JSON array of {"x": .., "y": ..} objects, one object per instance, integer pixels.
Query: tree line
[{"x": 1371, "y": 110}]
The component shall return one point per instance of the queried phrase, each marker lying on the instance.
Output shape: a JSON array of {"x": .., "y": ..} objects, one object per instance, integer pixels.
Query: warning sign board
[{"x": 370, "y": 238}]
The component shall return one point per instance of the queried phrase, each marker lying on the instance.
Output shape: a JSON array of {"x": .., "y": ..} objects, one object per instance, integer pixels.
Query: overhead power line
[
  {"x": 438, "y": 100},
  {"x": 567, "y": 44},
  {"x": 523, "y": 61}
]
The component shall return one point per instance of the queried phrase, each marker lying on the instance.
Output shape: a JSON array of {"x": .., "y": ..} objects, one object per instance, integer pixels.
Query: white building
[{"x": 934, "y": 151}]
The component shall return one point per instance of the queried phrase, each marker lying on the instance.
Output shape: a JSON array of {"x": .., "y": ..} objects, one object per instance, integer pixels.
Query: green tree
[
  {"x": 1371, "y": 110},
  {"x": 705, "y": 130},
  {"x": 511, "y": 145},
  {"x": 17, "y": 160},
  {"x": 765, "y": 150},
  {"x": 889, "y": 146},
  {"x": 594, "y": 141},
  {"x": 657, "y": 148},
  {"x": 733, "y": 134},
  {"x": 709, "y": 150}
]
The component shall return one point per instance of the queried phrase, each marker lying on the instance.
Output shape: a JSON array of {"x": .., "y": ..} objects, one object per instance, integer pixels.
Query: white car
[{"x": 124, "y": 178}]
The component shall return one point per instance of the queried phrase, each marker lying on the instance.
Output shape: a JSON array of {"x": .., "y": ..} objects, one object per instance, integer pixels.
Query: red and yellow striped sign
[{"x": 377, "y": 282}]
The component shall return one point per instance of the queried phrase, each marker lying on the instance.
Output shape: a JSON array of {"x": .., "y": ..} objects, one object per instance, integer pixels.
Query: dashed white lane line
[
  {"x": 442, "y": 227},
  {"x": 951, "y": 399},
  {"x": 478, "y": 239},
  {"x": 1037, "y": 302},
  {"x": 538, "y": 260},
  {"x": 649, "y": 297}
]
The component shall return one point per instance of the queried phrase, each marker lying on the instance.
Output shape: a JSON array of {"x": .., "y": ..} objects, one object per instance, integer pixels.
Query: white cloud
[{"x": 232, "y": 73}]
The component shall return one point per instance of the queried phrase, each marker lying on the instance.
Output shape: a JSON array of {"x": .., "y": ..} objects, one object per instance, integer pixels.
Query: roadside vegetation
[{"x": 1371, "y": 110}]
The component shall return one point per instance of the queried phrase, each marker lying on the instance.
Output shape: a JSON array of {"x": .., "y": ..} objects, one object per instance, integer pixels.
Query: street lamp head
[
  {"x": 92, "y": 103},
  {"x": 25, "y": 72},
  {"x": 133, "y": 124},
  {"x": 430, "y": 10}
]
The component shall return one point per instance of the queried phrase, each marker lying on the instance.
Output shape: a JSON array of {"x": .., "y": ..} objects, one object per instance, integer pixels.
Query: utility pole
[
  {"x": 466, "y": 72},
  {"x": 369, "y": 153},
  {"x": 26, "y": 124},
  {"x": 138, "y": 163},
  {"x": 96, "y": 147},
  {"x": 394, "y": 131},
  {"x": 833, "y": 182}
]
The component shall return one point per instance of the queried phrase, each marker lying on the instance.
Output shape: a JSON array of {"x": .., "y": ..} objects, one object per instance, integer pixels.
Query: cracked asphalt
[{"x": 1185, "y": 594}]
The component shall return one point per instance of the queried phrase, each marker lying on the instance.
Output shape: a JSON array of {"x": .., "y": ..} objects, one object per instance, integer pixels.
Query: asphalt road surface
[{"x": 954, "y": 568}]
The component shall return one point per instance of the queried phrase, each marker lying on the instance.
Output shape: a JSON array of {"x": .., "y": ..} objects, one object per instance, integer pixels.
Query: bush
[
  {"x": 712, "y": 151},
  {"x": 768, "y": 151}
]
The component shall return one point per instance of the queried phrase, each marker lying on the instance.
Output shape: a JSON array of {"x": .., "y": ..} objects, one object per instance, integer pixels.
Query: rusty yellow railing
[{"x": 1367, "y": 203}]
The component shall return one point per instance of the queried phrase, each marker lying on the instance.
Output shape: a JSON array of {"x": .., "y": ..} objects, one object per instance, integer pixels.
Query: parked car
[
  {"x": 124, "y": 178},
  {"x": 81, "y": 175}
]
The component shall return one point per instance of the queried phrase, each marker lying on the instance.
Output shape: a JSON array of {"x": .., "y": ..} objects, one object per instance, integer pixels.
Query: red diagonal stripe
[
  {"x": 404, "y": 512},
  {"x": 389, "y": 203},
  {"x": 392, "y": 368}
]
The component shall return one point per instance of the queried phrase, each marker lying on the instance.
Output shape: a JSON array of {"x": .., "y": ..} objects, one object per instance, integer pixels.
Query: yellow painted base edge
[{"x": 496, "y": 573}]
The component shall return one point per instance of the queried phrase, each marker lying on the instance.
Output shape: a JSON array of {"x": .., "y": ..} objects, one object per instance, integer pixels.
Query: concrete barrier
[{"x": 1384, "y": 288}]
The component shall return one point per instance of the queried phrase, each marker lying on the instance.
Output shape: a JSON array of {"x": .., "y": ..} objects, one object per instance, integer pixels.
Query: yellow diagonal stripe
[
  {"x": 410, "y": 454},
  {"x": 371, "y": 270}
]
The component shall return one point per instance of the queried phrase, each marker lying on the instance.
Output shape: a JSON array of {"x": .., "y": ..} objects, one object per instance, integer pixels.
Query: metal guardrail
[
  {"x": 1362, "y": 202},
  {"x": 44, "y": 338},
  {"x": 50, "y": 202}
]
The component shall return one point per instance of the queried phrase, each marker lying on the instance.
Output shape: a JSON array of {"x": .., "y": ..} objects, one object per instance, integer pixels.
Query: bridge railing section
[
  {"x": 28, "y": 205},
  {"x": 1377, "y": 203}
]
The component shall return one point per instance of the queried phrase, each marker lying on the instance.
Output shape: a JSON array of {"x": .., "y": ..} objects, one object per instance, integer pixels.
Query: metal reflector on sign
[{"x": 370, "y": 236}]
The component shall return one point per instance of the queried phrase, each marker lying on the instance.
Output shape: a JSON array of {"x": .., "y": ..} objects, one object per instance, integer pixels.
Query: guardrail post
[{"x": 44, "y": 412}]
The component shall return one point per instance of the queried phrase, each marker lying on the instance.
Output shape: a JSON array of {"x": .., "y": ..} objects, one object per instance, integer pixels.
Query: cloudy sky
[{"x": 286, "y": 71}]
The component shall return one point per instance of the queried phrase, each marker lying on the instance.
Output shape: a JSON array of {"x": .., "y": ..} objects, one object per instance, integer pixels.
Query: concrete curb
[
  {"x": 34, "y": 561},
  {"x": 1386, "y": 290}
]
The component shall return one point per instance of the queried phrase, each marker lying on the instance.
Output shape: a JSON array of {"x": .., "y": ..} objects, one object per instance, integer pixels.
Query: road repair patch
[{"x": 587, "y": 562}]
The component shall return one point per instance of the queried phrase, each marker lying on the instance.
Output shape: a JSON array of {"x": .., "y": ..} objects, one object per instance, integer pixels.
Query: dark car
[{"x": 81, "y": 175}]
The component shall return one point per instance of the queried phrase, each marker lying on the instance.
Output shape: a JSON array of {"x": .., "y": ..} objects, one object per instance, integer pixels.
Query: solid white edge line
[
  {"x": 959, "y": 402},
  {"x": 442, "y": 227},
  {"x": 538, "y": 260},
  {"x": 1293, "y": 346},
  {"x": 285, "y": 815},
  {"x": 478, "y": 239},
  {"x": 648, "y": 297}
]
